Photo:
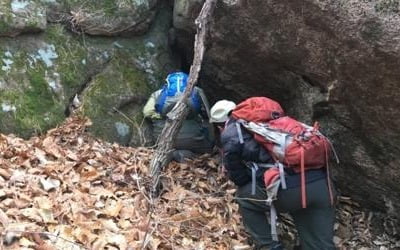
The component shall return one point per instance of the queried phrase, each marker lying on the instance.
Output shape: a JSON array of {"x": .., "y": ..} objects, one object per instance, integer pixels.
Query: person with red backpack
[{"x": 277, "y": 169}]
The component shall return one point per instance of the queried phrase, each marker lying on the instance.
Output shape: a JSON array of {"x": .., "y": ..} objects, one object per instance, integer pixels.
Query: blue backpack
[{"x": 172, "y": 91}]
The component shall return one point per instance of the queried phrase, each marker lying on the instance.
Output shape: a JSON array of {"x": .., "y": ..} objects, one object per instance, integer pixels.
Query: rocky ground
[{"x": 68, "y": 190}]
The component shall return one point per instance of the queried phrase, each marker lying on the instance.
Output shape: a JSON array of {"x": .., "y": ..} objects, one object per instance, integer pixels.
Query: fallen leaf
[
  {"x": 84, "y": 235},
  {"x": 3, "y": 219},
  {"x": 72, "y": 156},
  {"x": 3, "y": 194},
  {"x": 47, "y": 215},
  {"x": 43, "y": 202},
  {"x": 99, "y": 244},
  {"x": 49, "y": 184},
  {"x": 110, "y": 225},
  {"x": 26, "y": 243},
  {"x": 112, "y": 207},
  {"x": 5, "y": 173},
  {"x": 32, "y": 213},
  {"x": 15, "y": 230},
  {"x": 89, "y": 173},
  {"x": 118, "y": 240},
  {"x": 154, "y": 243},
  {"x": 40, "y": 155}
]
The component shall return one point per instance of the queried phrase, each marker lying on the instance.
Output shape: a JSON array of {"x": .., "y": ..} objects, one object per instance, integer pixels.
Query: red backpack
[{"x": 291, "y": 143}]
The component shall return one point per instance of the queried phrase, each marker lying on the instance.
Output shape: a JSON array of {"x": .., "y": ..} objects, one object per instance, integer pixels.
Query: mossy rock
[
  {"x": 104, "y": 101},
  {"x": 18, "y": 17},
  {"x": 38, "y": 75},
  {"x": 110, "y": 17},
  {"x": 115, "y": 97},
  {"x": 41, "y": 74}
]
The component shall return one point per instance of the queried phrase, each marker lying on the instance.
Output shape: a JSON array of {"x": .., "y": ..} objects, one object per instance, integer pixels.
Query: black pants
[{"x": 314, "y": 223}]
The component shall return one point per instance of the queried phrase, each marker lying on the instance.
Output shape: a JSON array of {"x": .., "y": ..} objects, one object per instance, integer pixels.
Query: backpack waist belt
[{"x": 256, "y": 166}]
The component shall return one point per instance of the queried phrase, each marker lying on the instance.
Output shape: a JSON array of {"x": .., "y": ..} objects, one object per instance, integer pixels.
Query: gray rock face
[
  {"x": 332, "y": 61},
  {"x": 46, "y": 76},
  {"x": 185, "y": 12},
  {"x": 17, "y": 17},
  {"x": 105, "y": 17}
]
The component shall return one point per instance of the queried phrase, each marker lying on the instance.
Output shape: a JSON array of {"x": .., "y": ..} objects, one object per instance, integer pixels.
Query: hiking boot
[{"x": 181, "y": 155}]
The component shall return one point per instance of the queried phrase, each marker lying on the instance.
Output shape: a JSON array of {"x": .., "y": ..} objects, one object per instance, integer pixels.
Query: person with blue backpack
[{"x": 196, "y": 135}]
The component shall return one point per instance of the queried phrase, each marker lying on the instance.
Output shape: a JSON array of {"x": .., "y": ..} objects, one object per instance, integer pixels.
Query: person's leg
[
  {"x": 181, "y": 155},
  {"x": 314, "y": 223},
  {"x": 315, "y": 227},
  {"x": 253, "y": 210}
]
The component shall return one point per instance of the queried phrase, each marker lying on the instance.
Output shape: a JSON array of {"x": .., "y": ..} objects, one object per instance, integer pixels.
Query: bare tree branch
[{"x": 181, "y": 109}]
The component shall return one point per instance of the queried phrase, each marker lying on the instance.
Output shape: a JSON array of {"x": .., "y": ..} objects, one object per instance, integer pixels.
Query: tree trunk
[{"x": 178, "y": 114}]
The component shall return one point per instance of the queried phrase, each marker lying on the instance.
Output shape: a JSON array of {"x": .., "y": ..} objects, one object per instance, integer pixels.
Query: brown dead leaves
[{"x": 67, "y": 190}]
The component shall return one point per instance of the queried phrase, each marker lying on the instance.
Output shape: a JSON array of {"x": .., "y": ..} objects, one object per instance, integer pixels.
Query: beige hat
[{"x": 219, "y": 112}]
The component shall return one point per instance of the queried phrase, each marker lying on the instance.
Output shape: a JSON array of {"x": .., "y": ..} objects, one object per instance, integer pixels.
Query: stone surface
[
  {"x": 113, "y": 99},
  {"x": 36, "y": 77},
  {"x": 46, "y": 76},
  {"x": 332, "y": 61},
  {"x": 104, "y": 17},
  {"x": 17, "y": 16},
  {"x": 184, "y": 14}
]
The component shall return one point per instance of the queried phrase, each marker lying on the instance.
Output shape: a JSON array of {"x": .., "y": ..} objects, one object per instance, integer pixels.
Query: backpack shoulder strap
[
  {"x": 195, "y": 100},
  {"x": 239, "y": 132},
  {"x": 204, "y": 100},
  {"x": 160, "y": 101}
]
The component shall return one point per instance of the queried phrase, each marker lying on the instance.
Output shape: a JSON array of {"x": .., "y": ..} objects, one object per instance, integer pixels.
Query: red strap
[
  {"x": 328, "y": 175},
  {"x": 303, "y": 180}
]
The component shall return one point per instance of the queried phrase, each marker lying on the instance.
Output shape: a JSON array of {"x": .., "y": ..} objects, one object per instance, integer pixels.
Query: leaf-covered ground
[{"x": 68, "y": 190}]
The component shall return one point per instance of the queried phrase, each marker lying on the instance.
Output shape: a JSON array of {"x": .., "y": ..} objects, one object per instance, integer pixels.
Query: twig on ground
[
  {"x": 145, "y": 238},
  {"x": 41, "y": 233}
]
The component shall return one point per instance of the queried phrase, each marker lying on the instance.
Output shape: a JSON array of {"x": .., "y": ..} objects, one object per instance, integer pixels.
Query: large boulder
[
  {"x": 184, "y": 14},
  {"x": 49, "y": 75},
  {"x": 113, "y": 99},
  {"x": 104, "y": 17},
  {"x": 37, "y": 77},
  {"x": 332, "y": 61},
  {"x": 18, "y": 17}
]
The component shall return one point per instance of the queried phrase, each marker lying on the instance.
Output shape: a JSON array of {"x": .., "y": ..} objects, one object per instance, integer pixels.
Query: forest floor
[{"x": 68, "y": 190}]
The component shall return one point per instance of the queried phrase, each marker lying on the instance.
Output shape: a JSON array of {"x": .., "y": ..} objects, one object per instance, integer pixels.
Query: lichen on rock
[
  {"x": 104, "y": 100},
  {"x": 45, "y": 77},
  {"x": 33, "y": 76},
  {"x": 18, "y": 17}
]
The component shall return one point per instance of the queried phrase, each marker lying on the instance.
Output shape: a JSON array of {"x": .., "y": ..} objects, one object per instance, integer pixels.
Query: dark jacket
[{"x": 236, "y": 155}]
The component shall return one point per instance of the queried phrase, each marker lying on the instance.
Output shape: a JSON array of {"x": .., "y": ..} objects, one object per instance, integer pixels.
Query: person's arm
[
  {"x": 205, "y": 105},
  {"x": 232, "y": 149},
  {"x": 149, "y": 109},
  {"x": 205, "y": 115}
]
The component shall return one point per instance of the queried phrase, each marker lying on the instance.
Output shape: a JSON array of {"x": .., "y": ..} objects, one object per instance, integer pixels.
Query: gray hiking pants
[{"x": 314, "y": 223}]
